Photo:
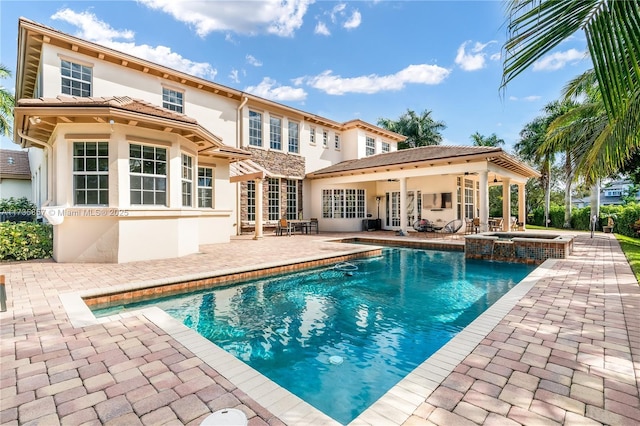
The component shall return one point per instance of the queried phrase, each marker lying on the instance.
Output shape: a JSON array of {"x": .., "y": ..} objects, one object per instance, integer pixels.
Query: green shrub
[
  {"x": 25, "y": 240},
  {"x": 17, "y": 210}
]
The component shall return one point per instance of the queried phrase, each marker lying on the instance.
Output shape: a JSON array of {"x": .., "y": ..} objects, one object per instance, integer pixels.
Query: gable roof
[
  {"x": 14, "y": 164},
  {"x": 37, "y": 118},
  {"x": 426, "y": 156}
]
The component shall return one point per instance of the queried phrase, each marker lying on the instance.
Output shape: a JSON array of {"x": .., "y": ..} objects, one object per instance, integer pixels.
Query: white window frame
[
  {"x": 336, "y": 141},
  {"x": 255, "y": 128},
  {"x": 205, "y": 187},
  {"x": 294, "y": 137},
  {"x": 273, "y": 197},
  {"x": 343, "y": 203},
  {"x": 142, "y": 175},
  {"x": 251, "y": 200},
  {"x": 187, "y": 179},
  {"x": 312, "y": 136},
  {"x": 75, "y": 74},
  {"x": 292, "y": 199},
  {"x": 386, "y": 147},
  {"x": 93, "y": 170},
  {"x": 173, "y": 100},
  {"x": 275, "y": 133},
  {"x": 370, "y": 146},
  {"x": 325, "y": 139}
]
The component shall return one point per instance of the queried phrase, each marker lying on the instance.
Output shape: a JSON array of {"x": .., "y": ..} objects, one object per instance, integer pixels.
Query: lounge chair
[
  {"x": 284, "y": 226},
  {"x": 450, "y": 228}
]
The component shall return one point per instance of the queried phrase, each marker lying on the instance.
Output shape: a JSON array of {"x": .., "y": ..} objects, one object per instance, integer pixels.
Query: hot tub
[{"x": 521, "y": 247}]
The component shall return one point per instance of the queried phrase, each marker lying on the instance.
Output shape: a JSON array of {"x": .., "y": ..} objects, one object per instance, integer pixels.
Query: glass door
[{"x": 414, "y": 207}]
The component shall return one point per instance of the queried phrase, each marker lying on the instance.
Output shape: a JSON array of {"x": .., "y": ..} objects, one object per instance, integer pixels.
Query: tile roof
[
  {"x": 120, "y": 102},
  {"x": 412, "y": 155},
  {"x": 14, "y": 164}
]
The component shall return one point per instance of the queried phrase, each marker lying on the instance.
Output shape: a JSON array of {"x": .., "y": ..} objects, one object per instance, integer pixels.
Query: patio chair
[
  {"x": 313, "y": 223},
  {"x": 495, "y": 225},
  {"x": 423, "y": 225},
  {"x": 284, "y": 226},
  {"x": 450, "y": 228}
]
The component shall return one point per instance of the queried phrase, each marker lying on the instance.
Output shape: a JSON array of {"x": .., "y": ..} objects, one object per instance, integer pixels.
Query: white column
[
  {"x": 484, "y": 201},
  {"x": 403, "y": 204},
  {"x": 506, "y": 203},
  {"x": 522, "y": 206},
  {"x": 258, "y": 226}
]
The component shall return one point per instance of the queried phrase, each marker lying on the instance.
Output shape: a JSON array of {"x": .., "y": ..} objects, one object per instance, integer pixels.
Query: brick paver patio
[{"x": 567, "y": 353}]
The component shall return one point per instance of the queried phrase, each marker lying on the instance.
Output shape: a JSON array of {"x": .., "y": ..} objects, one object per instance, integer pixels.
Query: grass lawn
[{"x": 631, "y": 248}]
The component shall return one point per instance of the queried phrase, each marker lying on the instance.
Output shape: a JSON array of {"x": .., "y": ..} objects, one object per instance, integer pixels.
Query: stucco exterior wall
[{"x": 16, "y": 188}]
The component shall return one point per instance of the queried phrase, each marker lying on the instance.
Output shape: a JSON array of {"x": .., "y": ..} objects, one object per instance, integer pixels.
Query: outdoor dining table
[{"x": 303, "y": 225}]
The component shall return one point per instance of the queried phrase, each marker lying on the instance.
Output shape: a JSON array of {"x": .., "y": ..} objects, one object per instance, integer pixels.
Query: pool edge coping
[{"x": 395, "y": 406}]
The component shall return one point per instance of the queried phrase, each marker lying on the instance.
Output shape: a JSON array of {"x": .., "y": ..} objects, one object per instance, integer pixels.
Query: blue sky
[{"x": 340, "y": 60}]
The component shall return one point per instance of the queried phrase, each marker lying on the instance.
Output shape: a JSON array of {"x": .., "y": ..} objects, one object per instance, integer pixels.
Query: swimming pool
[{"x": 340, "y": 338}]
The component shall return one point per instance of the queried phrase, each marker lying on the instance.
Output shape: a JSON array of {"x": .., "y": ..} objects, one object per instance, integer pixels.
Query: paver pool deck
[{"x": 565, "y": 349}]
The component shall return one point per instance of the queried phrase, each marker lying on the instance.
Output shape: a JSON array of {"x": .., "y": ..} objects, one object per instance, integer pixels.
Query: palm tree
[
  {"x": 612, "y": 29},
  {"x": 420, "y": 130},
  {"x": 7, "y": 102},
  {"x": 492, "y": 140}
]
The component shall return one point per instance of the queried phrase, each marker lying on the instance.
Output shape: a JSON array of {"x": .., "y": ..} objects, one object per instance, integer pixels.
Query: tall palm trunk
[{"x": 568, "y": 174}]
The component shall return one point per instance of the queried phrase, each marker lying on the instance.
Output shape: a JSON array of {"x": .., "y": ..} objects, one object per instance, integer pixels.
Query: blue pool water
[{"x": 341, "y": 338}]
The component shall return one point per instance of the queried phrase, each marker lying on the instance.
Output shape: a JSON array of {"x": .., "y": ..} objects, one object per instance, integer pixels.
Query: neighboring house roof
[
  {"x": 426, "y": 156},
  {"x": 14, "y": 165},
  {"x": 32, "y": 35},
  {"x": 37, "y": 119}
]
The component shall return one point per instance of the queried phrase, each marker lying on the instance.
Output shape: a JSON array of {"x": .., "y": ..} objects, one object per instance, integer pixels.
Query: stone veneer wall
[
  {"x": 278, "y": 163},
  {"x": 531, "y": 251}
]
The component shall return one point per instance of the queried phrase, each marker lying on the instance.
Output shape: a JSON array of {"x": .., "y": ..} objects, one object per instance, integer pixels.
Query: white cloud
[
  {"x": 354, "y": 21},
  {"x": 93, "y": 29},
  {"x": 337, "y": 85},
  {"x": 473, "y": 60},
  {"x": 496, "y": 56},
  {"x": 531, "y": 98},
  {"x": 279, "y": 17},
  {"x": 233, "y": 76},
  {"x": 270, "y": 89},
  {"x": 558, "y": 60},
  {"x": 253, "y": 61},
  {"x": 321, "y": 28}
]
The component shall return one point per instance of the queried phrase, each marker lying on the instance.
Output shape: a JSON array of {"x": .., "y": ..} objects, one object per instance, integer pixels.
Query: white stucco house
[
  {"x": 15, "y": 174},
  {"x": 138, "y": 161}
]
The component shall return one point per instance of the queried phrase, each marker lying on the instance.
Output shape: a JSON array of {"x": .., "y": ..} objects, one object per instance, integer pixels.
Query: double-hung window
[
  {"x": 187, "y": 180},
  {"x": 172, "y": 100},
  {"x": 343, "y": 203},
  {"x": 76, "y": 79},
  {"x": 251, "y": 200},
  {"x": 370, "y": 146},
  {"x": 312, "y": 136},
  {"x": 255, "y": 128},
  {"x": 148, "y": 174},
  {"x": 292, "y": 199},
  {"x": 275, "y": 133},
  {"x": 294, "y": 137},
  {"x": 337, "y": 141},
  {"x": 91, "y": 173},
  {"x": 325, "y": 138},
  {"x": 386, "y": 147},
  {"x": 273, "y": 196},
  {"x": 205, "y": 187}
]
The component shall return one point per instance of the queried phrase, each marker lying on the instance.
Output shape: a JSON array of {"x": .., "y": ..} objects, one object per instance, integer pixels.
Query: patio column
[
  {"x": 258, "y": 225},
  {"x": 506, "y": 204},
  {"x": 403, "y": 205},
  {"x": 484, "y": 201},
  {"x": 522, "y": 206}
]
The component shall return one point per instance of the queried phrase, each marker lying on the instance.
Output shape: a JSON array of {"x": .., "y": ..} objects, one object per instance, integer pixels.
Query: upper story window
[
  {"x": 294, "y": 137},
  {"x": 312, "y": 135},
  {"x": 91, "y": 173},
  {"x": 76, "y": 79},
  {"x": 386, "y": 147},
  {"x": 187, "y": 180},
  {"x": 325, "y": 138},
  {"x": 255, "y": 128},
  {"x": 205, "y": 187},
  {"x": 337, "y": 141},
  {"x": 275, "y": 133},
  {"x": 172, "y": 100},
  {"x": 371, "y": 146},
  {"x": 148, "y": 174}
]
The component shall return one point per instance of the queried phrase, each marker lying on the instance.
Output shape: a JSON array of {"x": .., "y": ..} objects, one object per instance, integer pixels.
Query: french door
[{"x": 414, "y": 207}]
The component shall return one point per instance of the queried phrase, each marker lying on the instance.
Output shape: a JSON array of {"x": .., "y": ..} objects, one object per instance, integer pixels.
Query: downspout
[
  {"x": 49, "y": 150},
  {"x": 245, "y": 99}
]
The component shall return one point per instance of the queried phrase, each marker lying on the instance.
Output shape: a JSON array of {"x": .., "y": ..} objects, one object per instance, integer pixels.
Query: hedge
[
  {"x": 25, "y": 240},
  {"x": 623, "y": 217}
]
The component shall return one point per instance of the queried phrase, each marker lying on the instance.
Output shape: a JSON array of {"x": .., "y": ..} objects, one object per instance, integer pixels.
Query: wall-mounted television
[{"x": 439, "y": 200}]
